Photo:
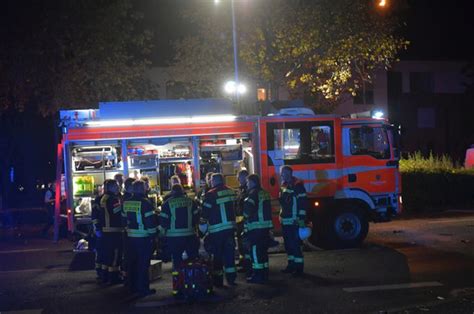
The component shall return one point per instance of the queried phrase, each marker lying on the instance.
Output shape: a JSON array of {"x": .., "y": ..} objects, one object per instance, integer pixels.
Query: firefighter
[
  {"x": 244, "y": 257},
  {"x": 150, "y": 194},
  {"x": 141, "y": 231},
  {"x": 128, "y": 189},
  {"x": 207, "y": 186},
  {"x": 293, "y": 202},
  {"x": 108, "y": 228},
  {"x": 97, "y": 226},
  {"x": 127, "y": 195},
  {"x": 218, "y": 212},
  {"x": 119, "y": 178},
  {"x": 178, "y": 221},
  {"x": 173, "y": 181},
  {"x": 49, "y": 201},
  {"x": 258, "y": 223}
]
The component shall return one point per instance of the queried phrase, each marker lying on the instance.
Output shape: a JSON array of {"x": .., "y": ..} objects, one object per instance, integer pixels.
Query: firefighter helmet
[
  {"x": 203, "y": 228},
  {"x": 304, "y": 233}
]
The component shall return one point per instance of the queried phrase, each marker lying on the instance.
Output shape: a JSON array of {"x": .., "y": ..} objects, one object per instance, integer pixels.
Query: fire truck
[{"x": 349, "y": 165}]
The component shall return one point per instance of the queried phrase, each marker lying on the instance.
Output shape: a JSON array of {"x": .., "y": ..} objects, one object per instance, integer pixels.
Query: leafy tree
[
  {"x": 59, "y": 54},
  {"x": 69, "y": 53},
  {"x": 326, "y": 48}
]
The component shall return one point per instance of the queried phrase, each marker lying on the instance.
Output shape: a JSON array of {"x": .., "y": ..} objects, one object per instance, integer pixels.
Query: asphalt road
[{"x": 406, "y": 266}]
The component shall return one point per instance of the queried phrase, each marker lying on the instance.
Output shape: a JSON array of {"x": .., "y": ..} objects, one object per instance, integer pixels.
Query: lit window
[{"x": 261, "y": 94}]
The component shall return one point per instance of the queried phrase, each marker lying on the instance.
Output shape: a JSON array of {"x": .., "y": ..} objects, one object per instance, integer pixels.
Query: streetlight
[
  {"x": 234, "y": 88},
  {"x": 240, "y": 88}
]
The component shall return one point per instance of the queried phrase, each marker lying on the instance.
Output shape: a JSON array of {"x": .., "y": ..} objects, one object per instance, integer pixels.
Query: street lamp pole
[{"x": 236, "y": 64}]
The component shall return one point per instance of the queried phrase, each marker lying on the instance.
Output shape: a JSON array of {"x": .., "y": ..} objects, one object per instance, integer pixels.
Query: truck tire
[{"x": 345, "y": 226}]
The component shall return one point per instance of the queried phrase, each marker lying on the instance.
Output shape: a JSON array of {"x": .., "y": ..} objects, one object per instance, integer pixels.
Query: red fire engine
[{"x": 349, "y": 166}]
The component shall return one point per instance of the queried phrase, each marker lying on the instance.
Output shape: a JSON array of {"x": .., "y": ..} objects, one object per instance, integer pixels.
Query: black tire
[{"x": 345, "y": 226}]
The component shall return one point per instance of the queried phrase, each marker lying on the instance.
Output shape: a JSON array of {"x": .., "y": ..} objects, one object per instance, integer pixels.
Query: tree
[
  {"x": 68, "y": 53},
  {"x": 63, "y": 54},
  {"x": 326, "y": 49}
]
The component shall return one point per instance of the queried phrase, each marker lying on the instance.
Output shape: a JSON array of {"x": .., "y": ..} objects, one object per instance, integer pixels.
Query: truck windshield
[{"x": 371, "y": 141}]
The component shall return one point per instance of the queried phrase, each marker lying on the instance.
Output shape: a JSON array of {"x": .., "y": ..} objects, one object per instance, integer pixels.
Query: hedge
[{"x": 435, "y": 183}]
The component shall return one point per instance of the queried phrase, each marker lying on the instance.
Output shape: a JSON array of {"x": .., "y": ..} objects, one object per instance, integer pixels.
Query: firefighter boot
[
  {"x": 218, "y": 278},
  {"x": 257, "y": 277}
]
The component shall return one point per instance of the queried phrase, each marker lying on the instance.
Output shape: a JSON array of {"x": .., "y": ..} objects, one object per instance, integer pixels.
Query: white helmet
[
  {"x": 304, "y": 233},
  {"x": 203, "y": 228},
  {"x": 82, "y": 245}
]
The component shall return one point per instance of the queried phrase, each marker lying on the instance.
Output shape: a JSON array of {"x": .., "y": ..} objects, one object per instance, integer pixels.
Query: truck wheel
[{"x": 346, "y": 227}]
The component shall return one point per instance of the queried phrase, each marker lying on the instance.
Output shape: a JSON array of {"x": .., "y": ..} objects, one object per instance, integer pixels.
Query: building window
[
  {"x": 426, "y": 118},
  {"x": 261, "y": 94},
  {"x": 365, "y": 96},
  {"x": 421, "y": 82}
]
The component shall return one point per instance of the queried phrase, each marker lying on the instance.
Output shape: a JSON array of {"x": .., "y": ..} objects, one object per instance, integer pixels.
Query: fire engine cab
[{"x": 349, "y": 166}]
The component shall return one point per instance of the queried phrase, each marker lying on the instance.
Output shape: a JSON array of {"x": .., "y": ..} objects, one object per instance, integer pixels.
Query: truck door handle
[
  {"x": 272, "y": 181},
  {"x": 352, "y": 177}
]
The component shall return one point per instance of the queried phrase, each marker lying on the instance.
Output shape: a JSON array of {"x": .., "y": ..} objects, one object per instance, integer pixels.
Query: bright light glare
[
  {"x": 377, "y": 115},
  {"x": 230, "y": 87},
  {"x": 382, "y": 3},
  {"x": 161, "y": 121},
  {"x": 216, "y": 1},
  {"x": 241, "y": 89}
]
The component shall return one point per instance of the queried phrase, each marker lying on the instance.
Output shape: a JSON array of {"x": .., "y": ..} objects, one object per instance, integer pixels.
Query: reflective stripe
[
  {"x": 249, "y": 200},
  {"x": 207, "y": 205},
  {"x": 133, "y": 233},
  {"x": 221, "y": 227},
  {"x": 259, "y": 225},
  {"x": 150, "y": 214},
  {"x": 95, "y": 221},
  {"x": 291, "y": 258},
  {"x": 256, "y": 264},
  {"x": 117, "y": 209},
  {"x": 113, "y": 269},
  {"x": 230, "y": 269},
  {"x": 302, "y": 212},
  {"x": 179, "y": 233},
  {"x": 112, "y": 229},
  {"x": 286, "y": 190},
  {"x": 288, "y": 221},
  {"x": 226, "y": 199},
  {"x": 299, "y": 260},
  {"x": 301, "y": 195},
  {"x": 162, "y": 230},
  {"x": 223, "y": 213},
  {"x": 225, "y": 192},
  {"x": 294, "y": 209},
  {"x": 239, "y": 219}
]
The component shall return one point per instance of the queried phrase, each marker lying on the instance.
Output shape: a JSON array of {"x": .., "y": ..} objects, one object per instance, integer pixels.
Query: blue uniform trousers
[
  {"x": 112, "y": 255},
  {"x": 258, "y": 249},
  {"x": 222, "y": 246},
  {"x": 138, "y": 259},
  {"x": 293, "y": 247}
]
